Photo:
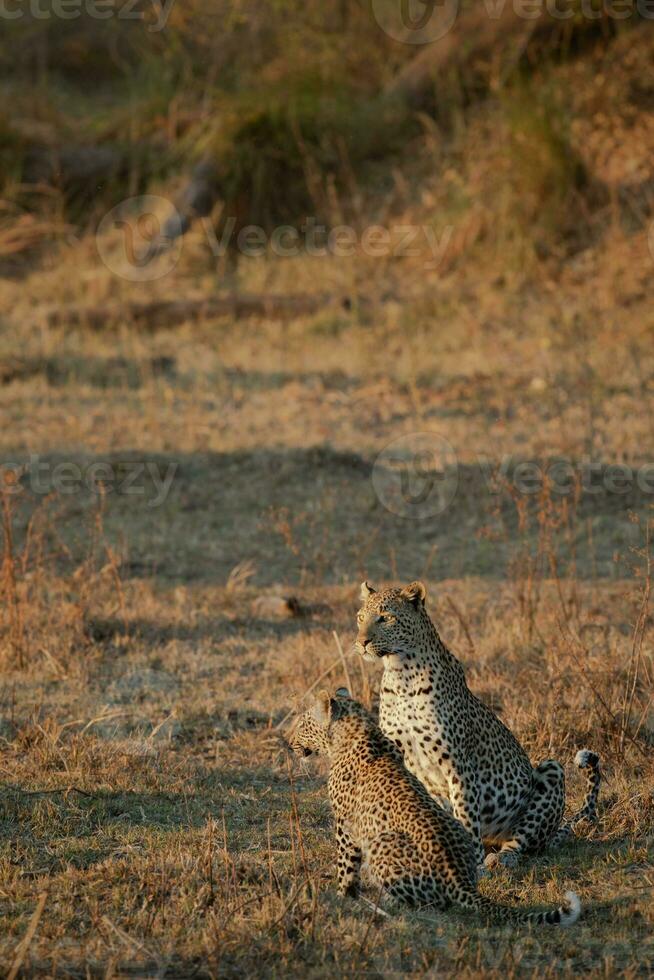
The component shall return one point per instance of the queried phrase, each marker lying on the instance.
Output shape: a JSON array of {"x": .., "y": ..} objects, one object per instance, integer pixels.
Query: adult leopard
[
  {"x": 454, "y": 743},
  {"x": 389, "y": 827}
]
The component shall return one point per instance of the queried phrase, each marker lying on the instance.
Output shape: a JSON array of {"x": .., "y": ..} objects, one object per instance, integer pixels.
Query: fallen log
[
  {"x": 476, "y": 45},
  {"x": 74, "y": 166},
  {"x": 169, "y": 313}
]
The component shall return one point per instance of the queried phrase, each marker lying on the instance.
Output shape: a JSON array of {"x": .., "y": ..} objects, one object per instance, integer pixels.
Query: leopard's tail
[
  {"x": 588, "y": 761},
  {"x": 565, "y": 915}
]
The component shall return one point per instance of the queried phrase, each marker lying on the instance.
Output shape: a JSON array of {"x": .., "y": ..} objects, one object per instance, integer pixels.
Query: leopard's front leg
[
  {"x": 465, "y": 797},
  {"x": 348, "y": 862}
]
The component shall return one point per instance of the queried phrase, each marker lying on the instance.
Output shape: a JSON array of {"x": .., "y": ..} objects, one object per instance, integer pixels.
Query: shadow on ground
[{"x": 316, "y": 515}]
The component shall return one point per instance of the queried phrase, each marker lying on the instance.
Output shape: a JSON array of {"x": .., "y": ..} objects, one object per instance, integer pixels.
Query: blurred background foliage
[{"x": 296, "y": 107}]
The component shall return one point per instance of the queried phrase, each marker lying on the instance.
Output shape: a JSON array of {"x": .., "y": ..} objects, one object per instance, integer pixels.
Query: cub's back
[{"x": 371, "y": 785}]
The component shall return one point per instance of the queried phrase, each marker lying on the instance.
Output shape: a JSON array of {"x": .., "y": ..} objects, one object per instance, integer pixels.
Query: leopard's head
[
  {"x": 312, "y": 731},
  {"x": 391, "y": 621}
]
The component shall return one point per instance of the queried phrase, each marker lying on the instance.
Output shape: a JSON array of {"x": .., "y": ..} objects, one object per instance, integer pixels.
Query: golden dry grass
[
  {"x": 144, "y": 787},
  {"x": 144, "y": 784}
]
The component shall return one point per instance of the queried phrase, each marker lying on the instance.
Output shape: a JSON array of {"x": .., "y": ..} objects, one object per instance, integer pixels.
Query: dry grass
[{"x": 144, "y": 785}]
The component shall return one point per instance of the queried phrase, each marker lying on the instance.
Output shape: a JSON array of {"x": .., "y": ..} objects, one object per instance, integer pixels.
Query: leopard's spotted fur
[
  {"x": 388, "y": 825},
  {"x": 453, "y": 742}
]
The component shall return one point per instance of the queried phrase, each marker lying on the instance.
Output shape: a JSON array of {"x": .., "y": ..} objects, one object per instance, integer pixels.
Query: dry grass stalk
[
  {"x": 13, "y": 606},
  {"x": 24, "y": 945}
]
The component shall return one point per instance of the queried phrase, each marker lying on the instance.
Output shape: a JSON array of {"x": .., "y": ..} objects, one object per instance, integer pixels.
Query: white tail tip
[
  {"x": 572, "y": 910},
  {"x": 583, "y": 758}
]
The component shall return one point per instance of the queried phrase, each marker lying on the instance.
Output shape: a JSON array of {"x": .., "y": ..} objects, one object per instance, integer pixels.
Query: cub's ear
[
  {"x": 366, "y": 591},
  {"x": 342, "y": 692},
  {"x": 415, "y": 593},
  {"x": 322, "y": 709}
]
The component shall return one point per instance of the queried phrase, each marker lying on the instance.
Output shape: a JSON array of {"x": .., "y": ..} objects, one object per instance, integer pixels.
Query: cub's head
[
  {"x": 312, "y": 730},
  {"x": 392, "y": 621}
]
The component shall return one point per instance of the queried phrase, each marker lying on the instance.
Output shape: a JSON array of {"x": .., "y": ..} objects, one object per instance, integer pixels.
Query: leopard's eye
[
  {"x": 359, "y": 617},
  {"x": 385, "y": 617}
]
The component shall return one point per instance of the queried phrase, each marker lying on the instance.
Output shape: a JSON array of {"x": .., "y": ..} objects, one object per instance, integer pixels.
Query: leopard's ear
[
  {"x": 415, "y": 593},
  {"x": 342, "y": 692},
  {"x": 322, "y": 709},
  {"x": 366, "y": 591}
]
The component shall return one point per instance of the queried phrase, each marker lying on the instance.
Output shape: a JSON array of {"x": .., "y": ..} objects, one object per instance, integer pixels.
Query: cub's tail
[{"x": 565, "y": 915}]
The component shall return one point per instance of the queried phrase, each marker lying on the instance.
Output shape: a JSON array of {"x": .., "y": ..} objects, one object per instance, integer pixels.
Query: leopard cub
[{"x": 389, "y": 827}]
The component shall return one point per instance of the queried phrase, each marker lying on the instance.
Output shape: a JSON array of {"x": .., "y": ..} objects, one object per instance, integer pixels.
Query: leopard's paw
[
  {"x": 505, "y": 859},
  {"x": 483, "y": 871}
]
